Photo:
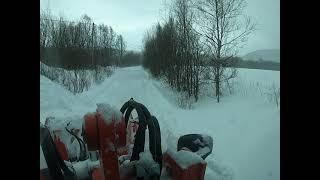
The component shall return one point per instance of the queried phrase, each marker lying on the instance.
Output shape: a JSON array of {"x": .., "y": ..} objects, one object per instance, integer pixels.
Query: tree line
[
  {"x": 82, "y": 44},
  {"x": 173, "y": 51},
  {"x": 131, "y": 58},
  {"x": 198, "y": 39}
]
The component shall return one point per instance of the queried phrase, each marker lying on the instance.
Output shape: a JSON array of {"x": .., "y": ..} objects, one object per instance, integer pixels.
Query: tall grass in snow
[
  {"x": 77, "y": 80},
  {"x": 269, "y": 92},
  {"x": 249, "y": 84}
]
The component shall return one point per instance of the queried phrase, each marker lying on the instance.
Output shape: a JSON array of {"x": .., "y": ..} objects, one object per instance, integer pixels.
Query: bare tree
[
  {"x": 173, "y": 50},
  {"x": 120, "y": 46},
  {"x": 188, "y": 42},
  {"x": 224, "y": 29}
]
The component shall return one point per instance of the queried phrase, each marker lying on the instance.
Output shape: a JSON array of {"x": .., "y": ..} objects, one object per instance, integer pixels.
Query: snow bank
[{"x": 58, "y": 102}]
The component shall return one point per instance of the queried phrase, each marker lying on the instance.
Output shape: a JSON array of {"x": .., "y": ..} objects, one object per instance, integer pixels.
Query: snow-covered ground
[{"x": 245, "y": 126}]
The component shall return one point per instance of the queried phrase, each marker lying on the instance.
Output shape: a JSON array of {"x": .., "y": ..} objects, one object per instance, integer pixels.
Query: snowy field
[{"x": 245, "y": 126}]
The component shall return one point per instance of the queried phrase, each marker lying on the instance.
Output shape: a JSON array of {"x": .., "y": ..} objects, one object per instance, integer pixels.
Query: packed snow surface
[{"x": 245, "y": 126}]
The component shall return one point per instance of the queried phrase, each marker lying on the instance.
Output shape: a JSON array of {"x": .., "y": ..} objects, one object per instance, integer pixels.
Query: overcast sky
[{"x": 132, "y": 18}]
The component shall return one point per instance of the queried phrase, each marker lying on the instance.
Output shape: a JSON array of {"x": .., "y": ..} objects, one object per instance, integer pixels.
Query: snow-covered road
[{"x": 246, "y": 131}]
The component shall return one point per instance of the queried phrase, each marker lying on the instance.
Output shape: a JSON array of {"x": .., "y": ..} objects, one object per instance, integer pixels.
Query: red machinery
[
  {"x": 61, "y": 148},
  {"x": 106, "y": 131},
  {"x": 106, "y": 138}
]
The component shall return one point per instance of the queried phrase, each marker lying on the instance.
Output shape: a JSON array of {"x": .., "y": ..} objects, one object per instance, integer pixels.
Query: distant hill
[{"x": 265, "y": 55}]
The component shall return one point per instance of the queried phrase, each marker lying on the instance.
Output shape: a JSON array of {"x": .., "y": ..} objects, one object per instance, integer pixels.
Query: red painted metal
[
  {"x": 107, "y": 148},
  {"x": 109, "y": 138},
  {"x": 97, "y": 174},
  {"x": 194, "y": 172},
  {"x": 132, "y": 130},
  {"x": 61, "y": 148},
  {"x": 91, "y": 131},
  {"x": 120, "y": 131}
]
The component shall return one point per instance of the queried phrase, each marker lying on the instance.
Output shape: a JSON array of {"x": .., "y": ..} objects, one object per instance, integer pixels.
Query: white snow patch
[
  {"x": 185, "y": 158},
  {"x": 203, "y": 151},
  {"x": 83, "y": 168},
  {"x": 207, "y": 140},
  {"x": 108, "y": 112},
  {"x": 146, "y": 166}
]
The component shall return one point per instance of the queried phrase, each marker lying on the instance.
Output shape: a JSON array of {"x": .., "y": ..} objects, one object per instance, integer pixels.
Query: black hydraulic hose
[
  {"x": 130, "y": 105},
  {"x": 83, "y": 150},
  {"x": 154, "y": 132},
  {"x": 155, "y": 141},
  {"x": 139, "y": 142},
  {"x": 188, "y": 141},
  {"x": 145, "y": 111}
]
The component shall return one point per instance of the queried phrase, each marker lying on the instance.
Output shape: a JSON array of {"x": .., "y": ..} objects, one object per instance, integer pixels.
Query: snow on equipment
[
  {"x": 112, "y": 147},
  {"x": 197, "y": 143},
  {"x": 188, "y": 162}
]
